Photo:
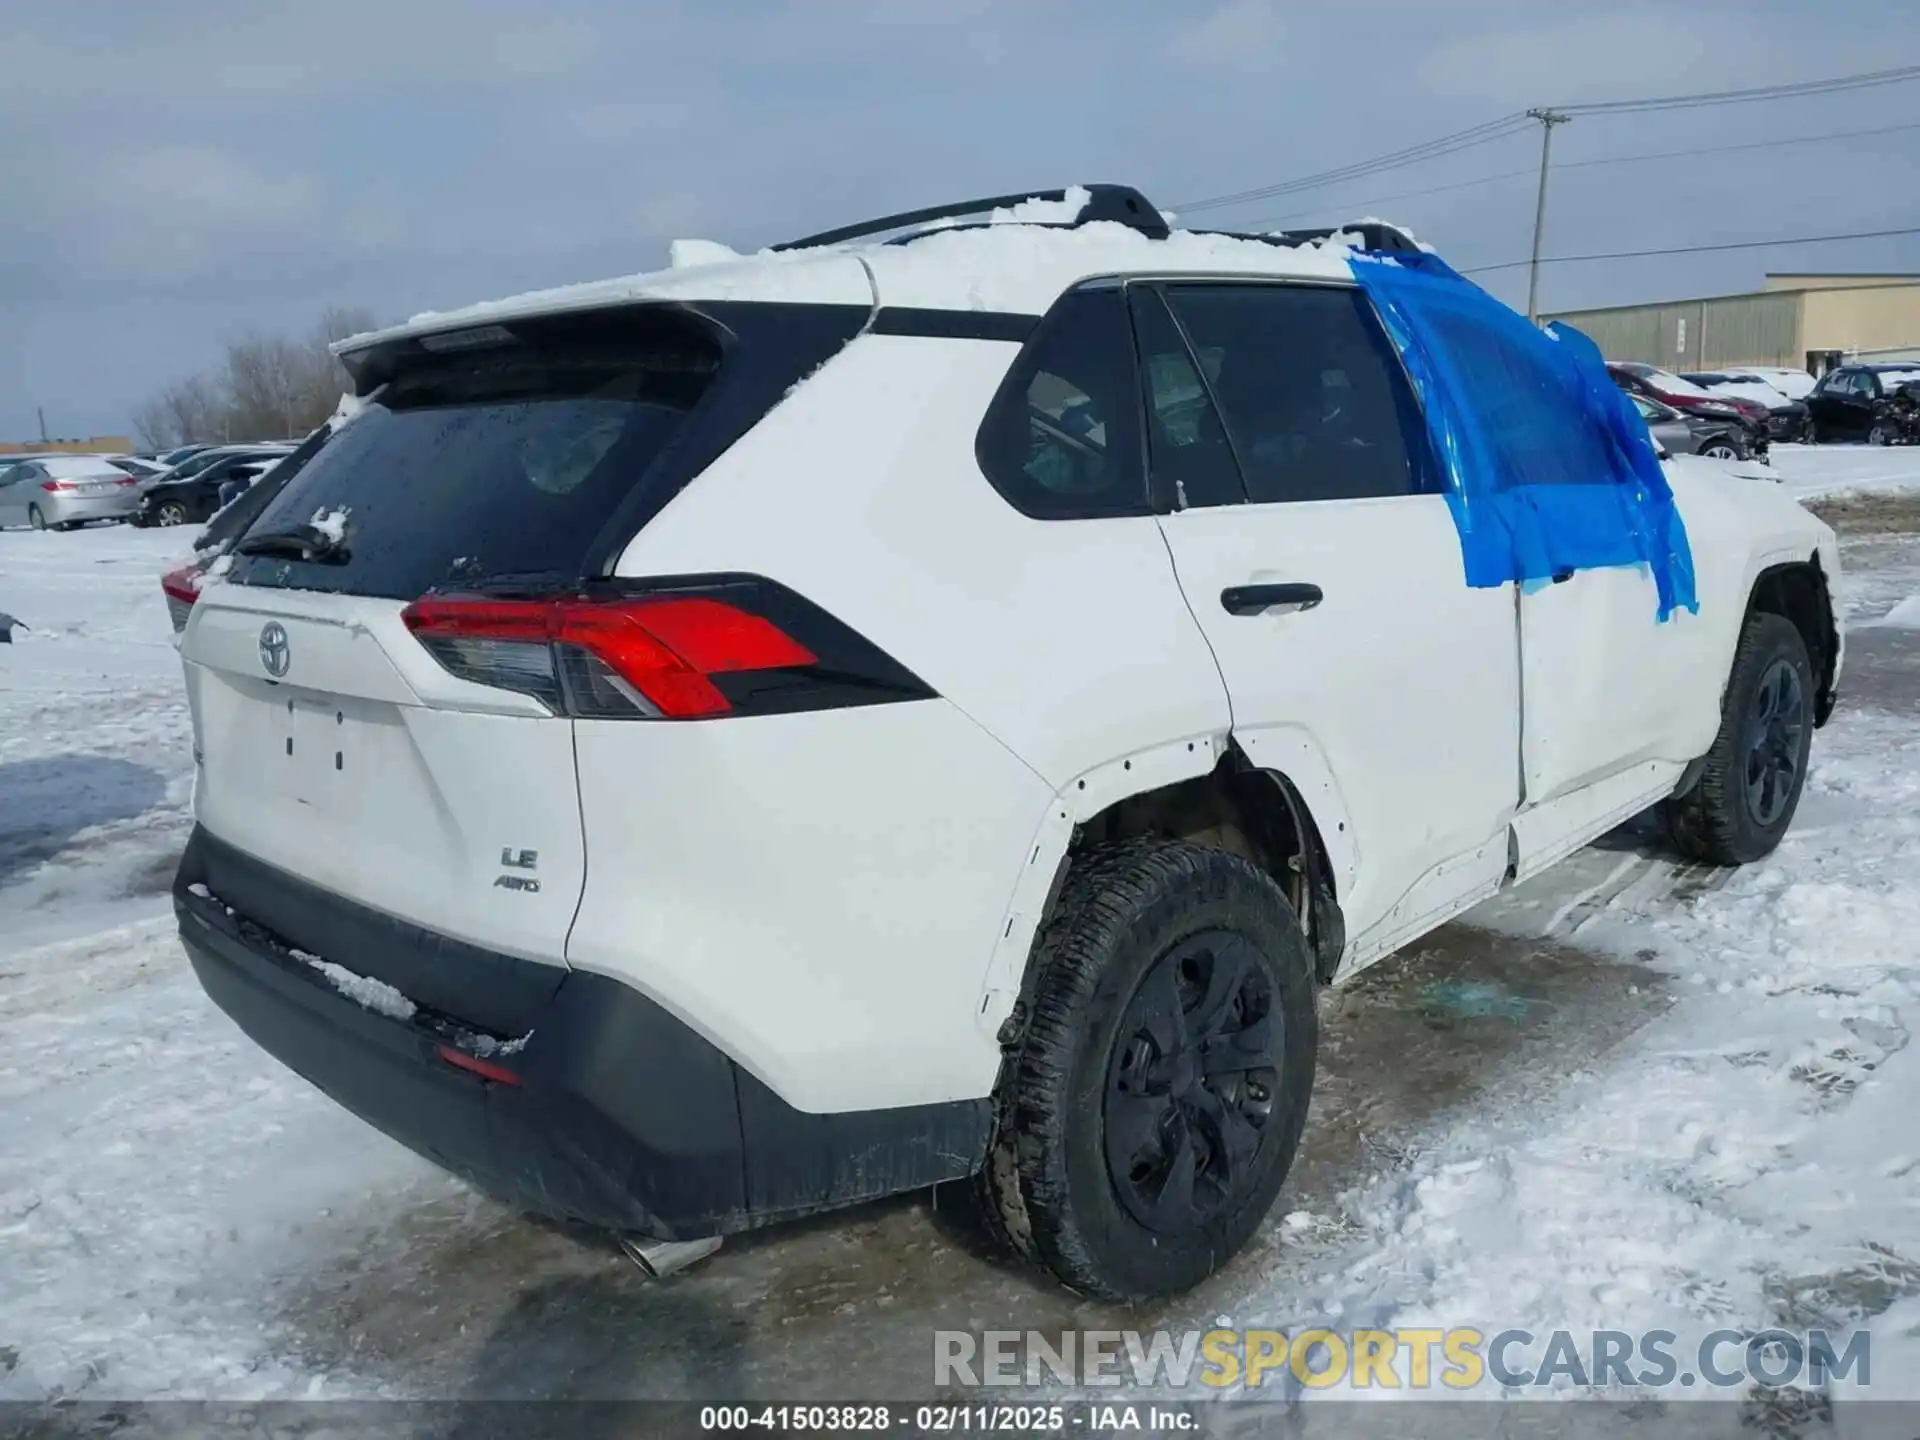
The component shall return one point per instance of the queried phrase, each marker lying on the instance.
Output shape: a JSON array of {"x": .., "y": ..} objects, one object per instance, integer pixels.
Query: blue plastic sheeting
[{"x": 1550, "y": 468}]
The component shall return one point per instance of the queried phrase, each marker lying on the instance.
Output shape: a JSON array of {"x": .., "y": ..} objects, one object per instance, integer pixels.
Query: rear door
[
  {"x": 1331, "y": 588},
  {"x": 435, "y": 785}
]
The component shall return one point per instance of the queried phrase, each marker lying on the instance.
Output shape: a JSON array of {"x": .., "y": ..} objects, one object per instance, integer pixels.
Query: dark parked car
[
  {"x": 191, "y": 500},
  {"x": 1848, "y": 403},
  {"x": 182, "y": 586},
  {"x": 1670, "y": 390},
  {"x": 1786, "y": 417},
  {"x": 182, "y": 452},
  {"x": 1682, "y": 434}
]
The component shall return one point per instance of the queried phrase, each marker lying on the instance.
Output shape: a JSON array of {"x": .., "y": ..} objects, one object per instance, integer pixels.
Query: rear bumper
[
  {"x": 70, "y": 509},
  {"x": 623, "y": 1117}
]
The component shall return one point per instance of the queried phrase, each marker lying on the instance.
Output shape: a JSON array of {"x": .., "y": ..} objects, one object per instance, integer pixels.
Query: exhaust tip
[{"x": 658, "y": 1259}]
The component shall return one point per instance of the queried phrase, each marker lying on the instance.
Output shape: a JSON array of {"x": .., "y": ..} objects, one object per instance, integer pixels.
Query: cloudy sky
[{"x": 175, "y": 175}]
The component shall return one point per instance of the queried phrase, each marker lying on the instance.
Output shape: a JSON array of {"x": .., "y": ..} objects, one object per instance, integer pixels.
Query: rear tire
[
  {"x": 1722, "y": 450},
  {"x": 35, "y": 518},
  {"x": 1879, "y": 435},
  {"x": 1750, "y": 787},
  {"x": 1151, "y": 1108}
]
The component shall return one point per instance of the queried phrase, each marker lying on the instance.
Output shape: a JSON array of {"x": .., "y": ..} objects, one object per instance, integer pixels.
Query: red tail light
[
  {"x": 182, "y": 584},
  {"x": 474, "y": 1065},
  {"x": 650, "y": 657},
  {"x": 54, "y": 487}
]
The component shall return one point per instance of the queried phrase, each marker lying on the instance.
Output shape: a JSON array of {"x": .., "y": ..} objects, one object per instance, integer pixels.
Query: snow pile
[
  {"x": 686, "y": 254},
  {"x": 346, "y": 412},
  {"x": 1025, "y": 268},
  {"x": 1905, "y": 615},
  {"x": 369, "y": 994},
  {"x": 331, "y": 523},
  {"x": 1063, "y": 211}
]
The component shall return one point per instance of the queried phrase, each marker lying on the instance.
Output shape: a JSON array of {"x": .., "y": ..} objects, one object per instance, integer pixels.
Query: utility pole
[
  {"x": 1548, "y": 119},
  {"x": 41, "y": 411}
]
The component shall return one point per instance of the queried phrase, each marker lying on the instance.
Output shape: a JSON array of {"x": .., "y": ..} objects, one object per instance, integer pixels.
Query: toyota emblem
[{"x": 274, "y": 653}]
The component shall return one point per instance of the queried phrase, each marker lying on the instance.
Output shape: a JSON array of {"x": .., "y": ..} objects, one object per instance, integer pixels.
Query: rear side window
[
  {"x": 1061, "y": 440},
  {"x": 1315, "y": 402}
]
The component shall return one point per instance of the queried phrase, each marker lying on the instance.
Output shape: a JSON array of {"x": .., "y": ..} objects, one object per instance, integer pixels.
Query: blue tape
[{"x": 1549, "y": 467}]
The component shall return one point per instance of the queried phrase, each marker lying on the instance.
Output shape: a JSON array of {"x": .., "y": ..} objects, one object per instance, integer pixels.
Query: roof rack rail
[
  {"x": 1377, "y": 234},
  {"x": 1121, "y": 204}
]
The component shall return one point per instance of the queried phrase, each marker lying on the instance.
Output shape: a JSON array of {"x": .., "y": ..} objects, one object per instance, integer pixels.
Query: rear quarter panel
[{"x": 822, "y": 895}]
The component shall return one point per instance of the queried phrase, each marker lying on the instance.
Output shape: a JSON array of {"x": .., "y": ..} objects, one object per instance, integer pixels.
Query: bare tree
[{"x": 270, "y": 387}]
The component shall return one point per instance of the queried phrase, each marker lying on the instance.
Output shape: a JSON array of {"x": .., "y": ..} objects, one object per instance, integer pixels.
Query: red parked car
[{"x": 1669, "y": 389}]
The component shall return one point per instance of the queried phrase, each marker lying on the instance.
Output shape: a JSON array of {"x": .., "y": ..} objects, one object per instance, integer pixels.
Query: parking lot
[{"x": 1634, "y": 1092}]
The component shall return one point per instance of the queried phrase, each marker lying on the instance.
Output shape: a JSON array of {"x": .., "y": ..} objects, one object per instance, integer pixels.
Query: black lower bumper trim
[{"x": 624, "y": 1117}]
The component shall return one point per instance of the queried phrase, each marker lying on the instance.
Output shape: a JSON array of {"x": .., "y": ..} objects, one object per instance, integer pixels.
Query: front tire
[
  {"x": 1151, "y": 1107},
  {"x": 170, "y": 514},
  {"x": 1750, "y": 787}
]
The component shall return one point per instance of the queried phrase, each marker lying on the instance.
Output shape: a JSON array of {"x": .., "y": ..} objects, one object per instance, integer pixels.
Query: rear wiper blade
[{"x": 303, "y": 542}]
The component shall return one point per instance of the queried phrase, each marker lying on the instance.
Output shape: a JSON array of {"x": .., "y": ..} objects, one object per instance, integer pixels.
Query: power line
[
  {"x": 1507, "y": 125},
  {"x": 1742, "y": 97},
  {"x": 1431, "y": 150},
  {"x": 1588, "y": 164},
  {"x": 1694, "y": 249}
]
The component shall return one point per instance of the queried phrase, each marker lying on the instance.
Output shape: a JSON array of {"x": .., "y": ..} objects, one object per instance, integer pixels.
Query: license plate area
[{"x": 326, "y": 747}]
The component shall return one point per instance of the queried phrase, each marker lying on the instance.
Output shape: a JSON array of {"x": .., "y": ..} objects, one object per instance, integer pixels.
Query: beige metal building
[{"x": 1816, "y": 320}]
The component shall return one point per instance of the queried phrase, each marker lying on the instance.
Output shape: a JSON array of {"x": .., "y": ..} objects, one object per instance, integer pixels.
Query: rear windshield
[{"x": 498, "y": 464}]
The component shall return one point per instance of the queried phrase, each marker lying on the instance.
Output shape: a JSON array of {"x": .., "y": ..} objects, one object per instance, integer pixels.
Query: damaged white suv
[{"x": 704, "y": 748}]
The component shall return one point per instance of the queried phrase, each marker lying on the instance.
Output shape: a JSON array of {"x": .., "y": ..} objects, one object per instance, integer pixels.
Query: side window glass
[
  {"x": 1188, "y": 456},
  {"x": 1061, "y": 439},
  {"x": 1311, "y": 390}
]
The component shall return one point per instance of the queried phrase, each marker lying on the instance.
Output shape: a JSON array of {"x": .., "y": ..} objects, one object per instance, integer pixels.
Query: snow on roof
[{"x": 1005, "y": 266}]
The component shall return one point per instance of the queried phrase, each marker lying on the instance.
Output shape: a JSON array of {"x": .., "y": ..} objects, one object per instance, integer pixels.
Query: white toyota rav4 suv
[{"x": 704, "y": 748}]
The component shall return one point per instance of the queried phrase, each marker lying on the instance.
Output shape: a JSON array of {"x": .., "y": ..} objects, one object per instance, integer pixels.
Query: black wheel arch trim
[{"x": 1801, "y": 591}]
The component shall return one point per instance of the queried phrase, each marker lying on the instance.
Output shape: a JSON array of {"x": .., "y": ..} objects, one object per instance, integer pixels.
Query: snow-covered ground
[
  {"x": 1629, "y": 1094},
  {"x": 1810, "y": 470}
]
